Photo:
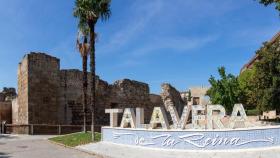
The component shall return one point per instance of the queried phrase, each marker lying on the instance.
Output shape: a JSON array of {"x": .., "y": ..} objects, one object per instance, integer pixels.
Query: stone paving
[{"x": 15, "y": 146}]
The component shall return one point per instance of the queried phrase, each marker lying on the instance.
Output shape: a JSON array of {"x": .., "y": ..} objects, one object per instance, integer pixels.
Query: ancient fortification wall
[
  {"x": 48, "y": 95},
  {"x": 70, "y": 97},
  {"x": 38, "y": 84},
  {"x": 6, "y": 97},
  {"x": 172, "y": 97},
  {"x": 22, "y": 110},
  {"x": 124, "y": 94},
  {"x": 43, "y": 85},
  {"x": 6, "y": 112}
]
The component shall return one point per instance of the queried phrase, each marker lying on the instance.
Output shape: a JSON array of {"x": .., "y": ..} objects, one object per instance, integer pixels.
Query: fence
[{"x": 41, "y": 129}]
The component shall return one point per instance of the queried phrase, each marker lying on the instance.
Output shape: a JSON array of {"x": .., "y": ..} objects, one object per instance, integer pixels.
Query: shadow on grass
[{"x": 4, "y": 155}]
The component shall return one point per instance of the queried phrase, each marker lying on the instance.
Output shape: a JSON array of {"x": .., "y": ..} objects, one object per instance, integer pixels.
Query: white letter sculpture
[
  {"x": 234, "y": 118},
  {"x": 113, "y": 116},
  {"x": 196, "y": 118},
  {"x": 159, "y": 117},
  {"x": 140, "y": 118},
  {"x": 177, "y": 122},
  {"x": 128, "y": 118},
  {"x": 215, "y": 118}
]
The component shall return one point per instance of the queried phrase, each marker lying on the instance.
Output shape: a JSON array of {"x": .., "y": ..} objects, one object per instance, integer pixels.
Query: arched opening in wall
[{"x": 114, "y": 105}]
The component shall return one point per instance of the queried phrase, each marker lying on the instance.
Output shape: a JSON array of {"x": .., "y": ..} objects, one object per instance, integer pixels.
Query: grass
[
  {"x": 76, "y": 139},
  {"x": 252, "y": 112}
]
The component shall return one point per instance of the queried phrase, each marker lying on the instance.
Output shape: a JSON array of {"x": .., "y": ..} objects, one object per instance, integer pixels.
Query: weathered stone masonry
[
  {"x": 48, "y": 95},
  {"x": 38, "y": 89},
  {"x": 6, "y": 97}
]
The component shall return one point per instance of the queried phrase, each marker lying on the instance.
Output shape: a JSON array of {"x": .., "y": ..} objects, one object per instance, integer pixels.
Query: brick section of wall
[{"x": 6, "y": 112}]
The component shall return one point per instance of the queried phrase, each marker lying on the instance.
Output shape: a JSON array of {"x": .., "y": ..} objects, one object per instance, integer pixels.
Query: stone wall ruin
[
  {"x": 48, "y": 95},
  {"x": 6, "y": 97}
]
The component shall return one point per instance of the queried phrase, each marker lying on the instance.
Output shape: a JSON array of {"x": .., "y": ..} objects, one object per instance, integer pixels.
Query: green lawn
[
  {"x": 75, "y": 139},
  {"x": 252, "y": 112}
]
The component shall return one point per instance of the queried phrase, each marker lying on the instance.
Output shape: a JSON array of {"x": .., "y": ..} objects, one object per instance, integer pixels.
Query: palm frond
[
  {"x": 92, "y": 9},
  {"x": 104, "y": 9}
]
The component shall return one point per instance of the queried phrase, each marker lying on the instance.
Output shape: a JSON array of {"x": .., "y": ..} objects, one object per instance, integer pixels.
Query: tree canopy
[
  {"x": 246, "y": 85},
  {"x": 224, "y": 91},
  {"x": 257, "y": 87},
  {"x": 271, "y": 2},
  {"x": 89, "y": 11},
  {"x": 267, "y": 78}
]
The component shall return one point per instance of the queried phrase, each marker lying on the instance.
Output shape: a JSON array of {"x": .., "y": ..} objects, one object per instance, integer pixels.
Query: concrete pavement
[{"x": 23, "y": 146}]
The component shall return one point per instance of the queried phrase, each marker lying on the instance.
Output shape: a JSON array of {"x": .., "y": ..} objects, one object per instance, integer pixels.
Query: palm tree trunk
[
  {"x": 85, "y": 84},
  {"x": 92, "y": 70}
]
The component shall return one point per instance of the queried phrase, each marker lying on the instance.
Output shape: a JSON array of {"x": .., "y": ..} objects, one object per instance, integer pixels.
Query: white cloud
[
  {"x": 179, "y": 44},
  {"x": 252, "y": 36},
  {"x": 134, "y": 26}
]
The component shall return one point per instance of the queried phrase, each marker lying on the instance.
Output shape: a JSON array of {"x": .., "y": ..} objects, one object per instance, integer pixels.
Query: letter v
[{"x": 179, "y": 123}]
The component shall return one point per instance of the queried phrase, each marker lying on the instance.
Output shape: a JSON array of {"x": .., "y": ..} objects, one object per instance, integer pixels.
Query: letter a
[
  {"x": 159, "y": 117},
  {"x": 128, "y": 118},
  {"x": 234, "y": 118}
]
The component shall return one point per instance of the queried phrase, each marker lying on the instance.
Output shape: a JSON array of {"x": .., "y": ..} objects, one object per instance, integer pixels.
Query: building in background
[{"x": 196, "y": 96}]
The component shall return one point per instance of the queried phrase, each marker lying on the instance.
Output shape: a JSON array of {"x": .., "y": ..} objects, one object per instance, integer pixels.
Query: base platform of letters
[{"x": 202, "y": 136}]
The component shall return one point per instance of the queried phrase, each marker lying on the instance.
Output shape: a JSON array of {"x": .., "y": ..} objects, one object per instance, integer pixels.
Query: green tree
[
  {"x": 271, "y": 2},
  {"x": 224, "y": 91},
  {"x": 83, "y": 48},
  {"x": 89, "y": 12},
  {"x": 247, "y": 89},
  {"x": 267, "y": 77}
]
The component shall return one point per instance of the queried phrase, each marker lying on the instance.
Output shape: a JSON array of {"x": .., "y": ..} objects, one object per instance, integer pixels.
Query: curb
[{"x": 74, "y": 148}]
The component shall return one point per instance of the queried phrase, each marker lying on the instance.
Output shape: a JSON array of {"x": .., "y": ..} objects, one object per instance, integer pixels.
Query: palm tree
[
  {"x": 89, "y": 12},
  {"x": 84, "y": 49}
]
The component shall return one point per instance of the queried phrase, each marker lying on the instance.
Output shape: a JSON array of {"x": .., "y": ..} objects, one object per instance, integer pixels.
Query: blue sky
[{"x": 181, "y": 42}]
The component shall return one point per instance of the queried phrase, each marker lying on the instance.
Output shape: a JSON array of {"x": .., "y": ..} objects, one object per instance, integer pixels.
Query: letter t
[{"x": 113, "y": 116}]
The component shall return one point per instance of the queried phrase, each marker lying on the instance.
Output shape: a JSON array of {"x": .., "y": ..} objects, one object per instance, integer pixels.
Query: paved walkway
[
  {"x": 124, "y": 151},
  {"x": 12, "y": 146}
]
